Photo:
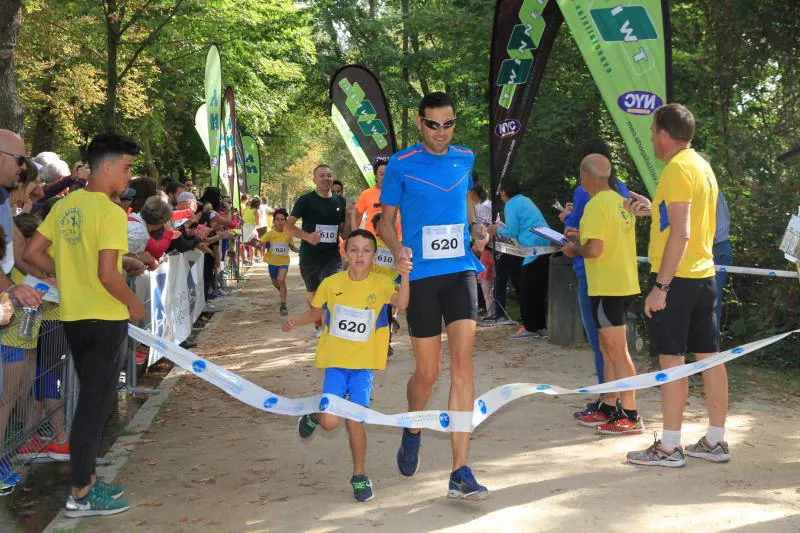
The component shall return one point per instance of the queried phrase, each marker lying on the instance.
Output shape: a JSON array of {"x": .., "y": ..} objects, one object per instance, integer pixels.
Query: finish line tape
[
  {"x": 446, "y": 421},
  {"x": 746, "y": 270},
  {"x": 511, "y": 249}
]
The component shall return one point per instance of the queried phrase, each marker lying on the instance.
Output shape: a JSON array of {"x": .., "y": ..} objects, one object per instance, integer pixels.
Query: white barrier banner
[
  {"x": 169, "y": 303},
  {"x": 194, "y": 282},
  {"x": 446, "y": 421}
]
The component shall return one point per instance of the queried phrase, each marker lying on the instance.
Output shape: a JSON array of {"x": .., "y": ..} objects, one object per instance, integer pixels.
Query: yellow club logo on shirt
[
  {"x": 71, "y": 225},
  {"x": 371, "y": 299}
]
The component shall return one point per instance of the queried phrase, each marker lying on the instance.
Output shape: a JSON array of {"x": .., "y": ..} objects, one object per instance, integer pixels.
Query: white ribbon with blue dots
[{"x": 447, "y": 421}]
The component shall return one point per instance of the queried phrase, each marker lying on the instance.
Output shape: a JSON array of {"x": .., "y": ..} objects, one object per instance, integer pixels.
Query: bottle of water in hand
[{"x": 29, "y": 317}]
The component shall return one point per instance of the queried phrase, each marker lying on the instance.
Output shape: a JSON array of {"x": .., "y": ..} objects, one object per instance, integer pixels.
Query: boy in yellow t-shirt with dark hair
[
  {"x": 278, "y": 244},
  {"x": 354, "y": 340},
  {"x": 89, "y": 235}
]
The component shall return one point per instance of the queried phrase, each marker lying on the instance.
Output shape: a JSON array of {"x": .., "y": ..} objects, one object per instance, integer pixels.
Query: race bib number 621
[{"x": 443, "y": 242}]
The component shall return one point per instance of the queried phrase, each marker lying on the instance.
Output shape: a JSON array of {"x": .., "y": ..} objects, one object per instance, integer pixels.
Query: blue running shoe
[
  {"x": 408, "y": 454},
  {"x": 464, "y": 485}
]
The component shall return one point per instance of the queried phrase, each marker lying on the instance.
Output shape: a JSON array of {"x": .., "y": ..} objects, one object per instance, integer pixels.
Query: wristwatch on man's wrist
[{"x": 664, "y": 287}]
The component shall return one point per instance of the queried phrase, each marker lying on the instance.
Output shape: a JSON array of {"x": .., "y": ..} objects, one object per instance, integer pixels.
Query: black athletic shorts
[
  {"x": 314, "y": 274},
  {"x": 609, "y": 311},
  {"x": 689, "y": 323},
  {"x": 450, "y": 297}
]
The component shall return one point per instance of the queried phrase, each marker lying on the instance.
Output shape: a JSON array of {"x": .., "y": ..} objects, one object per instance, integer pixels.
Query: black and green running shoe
[
  {"x": 306, "y": 425},
  {"x": 362, "y": 488}
]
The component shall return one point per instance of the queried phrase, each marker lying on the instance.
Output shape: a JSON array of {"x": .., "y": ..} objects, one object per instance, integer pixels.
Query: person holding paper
[
  {"x": 572, "y": 216},
  {"x": 607, "y": 242},
  {"x": 521, "y": 215},
  {"x": 681, "y": 300},
  {"x": 324, "y": 217}
]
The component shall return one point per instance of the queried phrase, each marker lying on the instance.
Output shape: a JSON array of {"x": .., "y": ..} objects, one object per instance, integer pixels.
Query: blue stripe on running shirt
[{"x": 431, "y": 190}]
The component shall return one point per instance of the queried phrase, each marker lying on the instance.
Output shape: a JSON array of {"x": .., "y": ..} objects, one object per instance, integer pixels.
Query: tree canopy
[{"x": 137, "y": 66}]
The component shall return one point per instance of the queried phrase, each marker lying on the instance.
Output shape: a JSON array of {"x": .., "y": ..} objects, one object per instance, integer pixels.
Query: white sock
[
  {"x": 715, "y": 435},
  {"x": 670, "y": 439}
]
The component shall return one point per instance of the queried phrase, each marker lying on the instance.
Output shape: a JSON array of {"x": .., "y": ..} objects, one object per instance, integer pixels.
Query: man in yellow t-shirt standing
[
  {"x": 607, "y": 242},
  {"x": 89, "y": 235},
  {"x": 681, "y": 303}
]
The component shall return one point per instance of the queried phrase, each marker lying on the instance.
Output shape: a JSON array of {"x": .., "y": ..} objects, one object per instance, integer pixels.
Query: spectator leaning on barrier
[
  {"x": 572, "y": 216},
  {"x": 607, "y": 241},
  {"x": 21, "y": 362},
  {"x": 682, "y": 286},
  {"x": 522, "y": 215},
  {"x": 12, "y": 165},
  {"x": 88, "y": 235}
]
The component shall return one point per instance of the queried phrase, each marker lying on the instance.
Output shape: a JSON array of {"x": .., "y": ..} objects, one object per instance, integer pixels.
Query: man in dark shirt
[{"x": 323, "y": 216}]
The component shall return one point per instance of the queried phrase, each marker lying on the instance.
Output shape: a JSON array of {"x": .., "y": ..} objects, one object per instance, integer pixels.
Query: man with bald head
[
  {"x": 12, "y": 165},
  {"x": 607, "y": 242}
]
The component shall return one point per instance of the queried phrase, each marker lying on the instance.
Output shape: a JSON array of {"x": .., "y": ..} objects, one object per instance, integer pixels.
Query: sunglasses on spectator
[
  {"x": 20, "y": 158},
  {"x": 434, "y": 125}
]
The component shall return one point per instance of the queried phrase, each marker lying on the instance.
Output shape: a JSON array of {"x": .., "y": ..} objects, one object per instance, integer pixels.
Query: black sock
[
  {"x": 631, "y": 414},
  {"x": 607, "y": 410}
]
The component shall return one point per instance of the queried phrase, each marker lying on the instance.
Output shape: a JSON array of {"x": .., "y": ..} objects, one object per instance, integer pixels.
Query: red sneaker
[
  {"x": 621, "y": 425},
  {"x": 58, "y": 452},
  {"x": 593, "y": 419},
  {"x": 35, "y": 448}
]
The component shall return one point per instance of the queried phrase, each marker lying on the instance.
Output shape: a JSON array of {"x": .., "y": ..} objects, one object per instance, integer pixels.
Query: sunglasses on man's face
[
  {"x": 434, "y": 125},
  {"x": 20, "y": 158}
]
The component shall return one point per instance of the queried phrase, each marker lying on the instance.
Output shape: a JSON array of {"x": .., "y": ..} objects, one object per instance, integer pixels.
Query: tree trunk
[
  {"x": 11, "y": 112},
  {"x": 407, "y": 85},
  {"x": 149, "y": 163},
  {"x": 112, "y": 44},
  {"x": 44, "y": 129},
  {"x": 373, "y": 8}
]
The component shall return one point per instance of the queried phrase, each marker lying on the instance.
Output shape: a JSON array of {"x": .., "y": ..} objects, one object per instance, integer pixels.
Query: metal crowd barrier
[
  {"x": 232, "y": 261},
  {"x": 38, "y": 397},
  {"x": 39, "y": 386}
]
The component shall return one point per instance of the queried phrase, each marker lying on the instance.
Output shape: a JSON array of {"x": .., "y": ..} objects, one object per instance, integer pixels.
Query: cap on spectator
[
  {"x": 186, "y": 196},
  {"x": 128, "y": 194}
]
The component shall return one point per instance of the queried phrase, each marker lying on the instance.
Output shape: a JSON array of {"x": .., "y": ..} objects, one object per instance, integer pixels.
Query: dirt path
[{"x": 215, "y": 464}]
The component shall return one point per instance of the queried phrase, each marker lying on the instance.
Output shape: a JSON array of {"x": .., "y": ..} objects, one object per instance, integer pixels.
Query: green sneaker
[
  {"x": 362, "y": 488},
  {"x": 94, "y": 504},
  {"x": 6, "y": 488},
  {"x": 108, "y": 490},
  {"x": 306, "y": 425}
]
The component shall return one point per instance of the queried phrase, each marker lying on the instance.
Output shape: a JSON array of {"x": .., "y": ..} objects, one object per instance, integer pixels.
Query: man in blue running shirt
[{"x": 429, "y": 184}]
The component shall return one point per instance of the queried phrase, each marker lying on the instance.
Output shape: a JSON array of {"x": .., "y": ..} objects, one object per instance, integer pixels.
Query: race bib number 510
[
  {"x": 351, "y": 324},
  {"x": 327, "y": 233},
  {"x": 443, "y": 242}
]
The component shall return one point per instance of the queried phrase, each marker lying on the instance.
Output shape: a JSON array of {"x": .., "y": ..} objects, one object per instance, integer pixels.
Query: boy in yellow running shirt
[
  {"x": 277, "y": 254},
  {"x": 355, "y": 336}
]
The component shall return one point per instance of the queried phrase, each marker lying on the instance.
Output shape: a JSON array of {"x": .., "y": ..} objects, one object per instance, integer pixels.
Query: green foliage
[{"x": 736, "y": 66}]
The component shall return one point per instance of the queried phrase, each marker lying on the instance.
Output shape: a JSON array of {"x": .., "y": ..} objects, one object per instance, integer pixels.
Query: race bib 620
[
  {"x": 352, "y": 324},
  {"x": 443, "y": 242}
]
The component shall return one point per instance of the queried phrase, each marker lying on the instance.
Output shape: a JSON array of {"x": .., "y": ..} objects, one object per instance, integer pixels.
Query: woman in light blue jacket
[{"x": 521, "y": 214}]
